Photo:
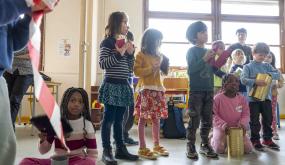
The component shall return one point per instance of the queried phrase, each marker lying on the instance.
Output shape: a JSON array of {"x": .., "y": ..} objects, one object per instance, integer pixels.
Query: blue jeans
[
  {"x": 128, "y": 121},
  {"x": 112, "y": 115}
]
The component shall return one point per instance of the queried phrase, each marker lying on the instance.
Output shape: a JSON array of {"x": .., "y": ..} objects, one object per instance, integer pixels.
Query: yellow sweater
[{"x": 143, "y": 68}]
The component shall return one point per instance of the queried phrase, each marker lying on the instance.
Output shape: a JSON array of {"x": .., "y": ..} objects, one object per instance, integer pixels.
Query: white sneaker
[{"x": 275, "y": 137}]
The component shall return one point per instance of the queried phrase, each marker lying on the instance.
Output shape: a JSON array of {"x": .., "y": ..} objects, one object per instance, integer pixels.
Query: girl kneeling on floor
[{"x": 230, "y": 110}]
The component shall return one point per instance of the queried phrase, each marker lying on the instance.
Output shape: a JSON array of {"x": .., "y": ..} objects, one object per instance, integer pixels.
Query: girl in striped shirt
[
  {"x": 117, "y": 60},
  {"x": 81, "y": 142}
]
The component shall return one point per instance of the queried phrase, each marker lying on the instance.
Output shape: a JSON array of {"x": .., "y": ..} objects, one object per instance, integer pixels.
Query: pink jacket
[{"x": 230, "y": 112}]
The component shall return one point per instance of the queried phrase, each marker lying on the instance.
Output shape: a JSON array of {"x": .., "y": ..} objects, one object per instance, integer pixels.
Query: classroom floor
[{"x": 27, "y": 147}]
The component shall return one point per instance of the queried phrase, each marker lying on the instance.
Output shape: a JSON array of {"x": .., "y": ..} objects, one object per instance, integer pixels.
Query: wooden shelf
[{"x": 96, "y": 114}]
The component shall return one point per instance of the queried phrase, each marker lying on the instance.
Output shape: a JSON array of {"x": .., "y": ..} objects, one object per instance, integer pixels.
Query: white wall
[{"x": 62, "y": 23}]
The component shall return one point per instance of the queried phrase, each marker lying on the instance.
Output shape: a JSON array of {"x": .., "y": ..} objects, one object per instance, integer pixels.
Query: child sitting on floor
[
  {"x": 230, "y": 110},
  {"x": 81, "y": 142}
]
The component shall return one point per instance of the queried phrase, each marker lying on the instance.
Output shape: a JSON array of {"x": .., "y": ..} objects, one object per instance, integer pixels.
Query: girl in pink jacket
[{"x": 230, "y": 110}]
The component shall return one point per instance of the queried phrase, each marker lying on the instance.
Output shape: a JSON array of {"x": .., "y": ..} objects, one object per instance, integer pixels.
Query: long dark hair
[
  {"x": 64, "y": 104},
  {"x": 149, "y": 41},
  {"x": 114, "y": 23},
  {"x": 273, "y": 62},
  {"x": 149, "y": 45}
]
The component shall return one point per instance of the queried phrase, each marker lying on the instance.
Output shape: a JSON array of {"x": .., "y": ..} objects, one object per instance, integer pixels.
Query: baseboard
[{"x": 282, "y": 116}]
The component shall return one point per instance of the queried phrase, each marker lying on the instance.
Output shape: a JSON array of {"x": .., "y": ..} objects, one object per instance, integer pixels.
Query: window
[
  {"x": 192, "y": 6},
  {"x": 252, "y": 7},
  {"x": 175, "y": 44},
  {"x": 175, "y": 30},
  {"x": 223, "y": 18}
]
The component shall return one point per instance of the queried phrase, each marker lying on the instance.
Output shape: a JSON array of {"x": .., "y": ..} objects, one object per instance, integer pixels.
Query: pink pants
[
  {"x": 219, "y": 141},
  {"x": 274, "y": 122},
  {"x": 72, "y": 161},
  {"x": 155, "y": 131}
]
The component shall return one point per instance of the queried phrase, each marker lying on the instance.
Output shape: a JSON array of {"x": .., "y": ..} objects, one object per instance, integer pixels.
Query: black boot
[
  {"x": 122, "y": 153},
  {"x": 108, "y": 157},
  {"x": 191, "y": 151}
]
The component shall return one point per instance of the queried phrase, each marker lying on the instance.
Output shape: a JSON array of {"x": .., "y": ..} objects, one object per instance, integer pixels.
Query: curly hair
[{"x": 225, "y": 79}]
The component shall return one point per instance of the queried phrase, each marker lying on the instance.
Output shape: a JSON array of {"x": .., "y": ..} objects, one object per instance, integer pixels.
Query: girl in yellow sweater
[{"x": 151, "y": 102}]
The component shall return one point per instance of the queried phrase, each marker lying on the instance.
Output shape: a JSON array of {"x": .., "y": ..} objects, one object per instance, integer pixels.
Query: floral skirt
[
  {"x": 116, "y": 94},
  {"x": 151, "y": 104}
]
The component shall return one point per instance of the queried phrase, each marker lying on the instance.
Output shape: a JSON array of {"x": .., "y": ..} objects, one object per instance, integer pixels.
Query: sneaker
[
  {"x": 191, "y": 152},
  {"x": 275, "y": 137},
  {"x": 270, "y": 144},
  {"x": 159, "y": 150},
  {"x": 147, "y": 154},
  {"x": 208, "y": 151},
  {"x": 257, "y": 145},
  {"x": 130, "y": 142}
]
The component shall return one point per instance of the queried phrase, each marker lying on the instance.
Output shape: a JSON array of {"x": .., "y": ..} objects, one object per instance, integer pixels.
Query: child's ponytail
[{"x": 164, "y": 66}]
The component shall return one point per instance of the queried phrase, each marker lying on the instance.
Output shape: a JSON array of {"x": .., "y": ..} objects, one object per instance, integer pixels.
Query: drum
[
  {"x": 260, "y": 92},
  {"x": 235, "y": 142}
]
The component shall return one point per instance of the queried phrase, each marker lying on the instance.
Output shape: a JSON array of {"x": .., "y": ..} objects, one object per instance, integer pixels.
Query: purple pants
[{"x": 72, "y": 161}]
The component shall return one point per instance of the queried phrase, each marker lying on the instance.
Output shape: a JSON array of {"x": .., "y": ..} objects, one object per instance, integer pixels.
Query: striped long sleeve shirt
[
  {"x": 111, "y": 61},
  {"x": 76, "y": 142}
]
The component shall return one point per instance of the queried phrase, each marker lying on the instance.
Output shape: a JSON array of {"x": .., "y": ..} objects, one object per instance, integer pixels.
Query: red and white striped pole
[{"x": 41, "y": 90}]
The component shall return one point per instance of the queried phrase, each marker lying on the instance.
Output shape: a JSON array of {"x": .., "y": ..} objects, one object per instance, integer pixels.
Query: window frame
[{"x": 217, "y": 18}]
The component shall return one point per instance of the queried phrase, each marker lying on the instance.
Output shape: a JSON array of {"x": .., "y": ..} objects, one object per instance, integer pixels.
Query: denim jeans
[
  {"x": 112, "y": 115},
  {"x": 128, "y": 121},
  {"x": 17, "y": 87}
]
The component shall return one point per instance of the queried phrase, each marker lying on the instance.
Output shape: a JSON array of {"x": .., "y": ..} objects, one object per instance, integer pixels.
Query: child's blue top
[{"x": 250, "y": 71}]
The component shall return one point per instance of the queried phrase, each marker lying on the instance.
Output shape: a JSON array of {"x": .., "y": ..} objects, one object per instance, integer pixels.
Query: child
[
  {"x": 81, "y": 142},
  {"x": 276, "y": 84},
  {"x": 238, "y": 59},
  {"x": 241, "y": 34},
  {"x": 219, "y": 48},
  {"x": 248, "y": 78},
  {"x": 116, "y": 59},
  {"x": 201, "y": 90},
  {"x": 128, "y": 120},
  {"x": 230, "y": 110},
  {"x": 151, "y": 102}
]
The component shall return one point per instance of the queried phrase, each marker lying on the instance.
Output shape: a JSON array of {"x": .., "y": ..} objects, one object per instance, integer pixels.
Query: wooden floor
[{"x": 27, "y": 147}]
